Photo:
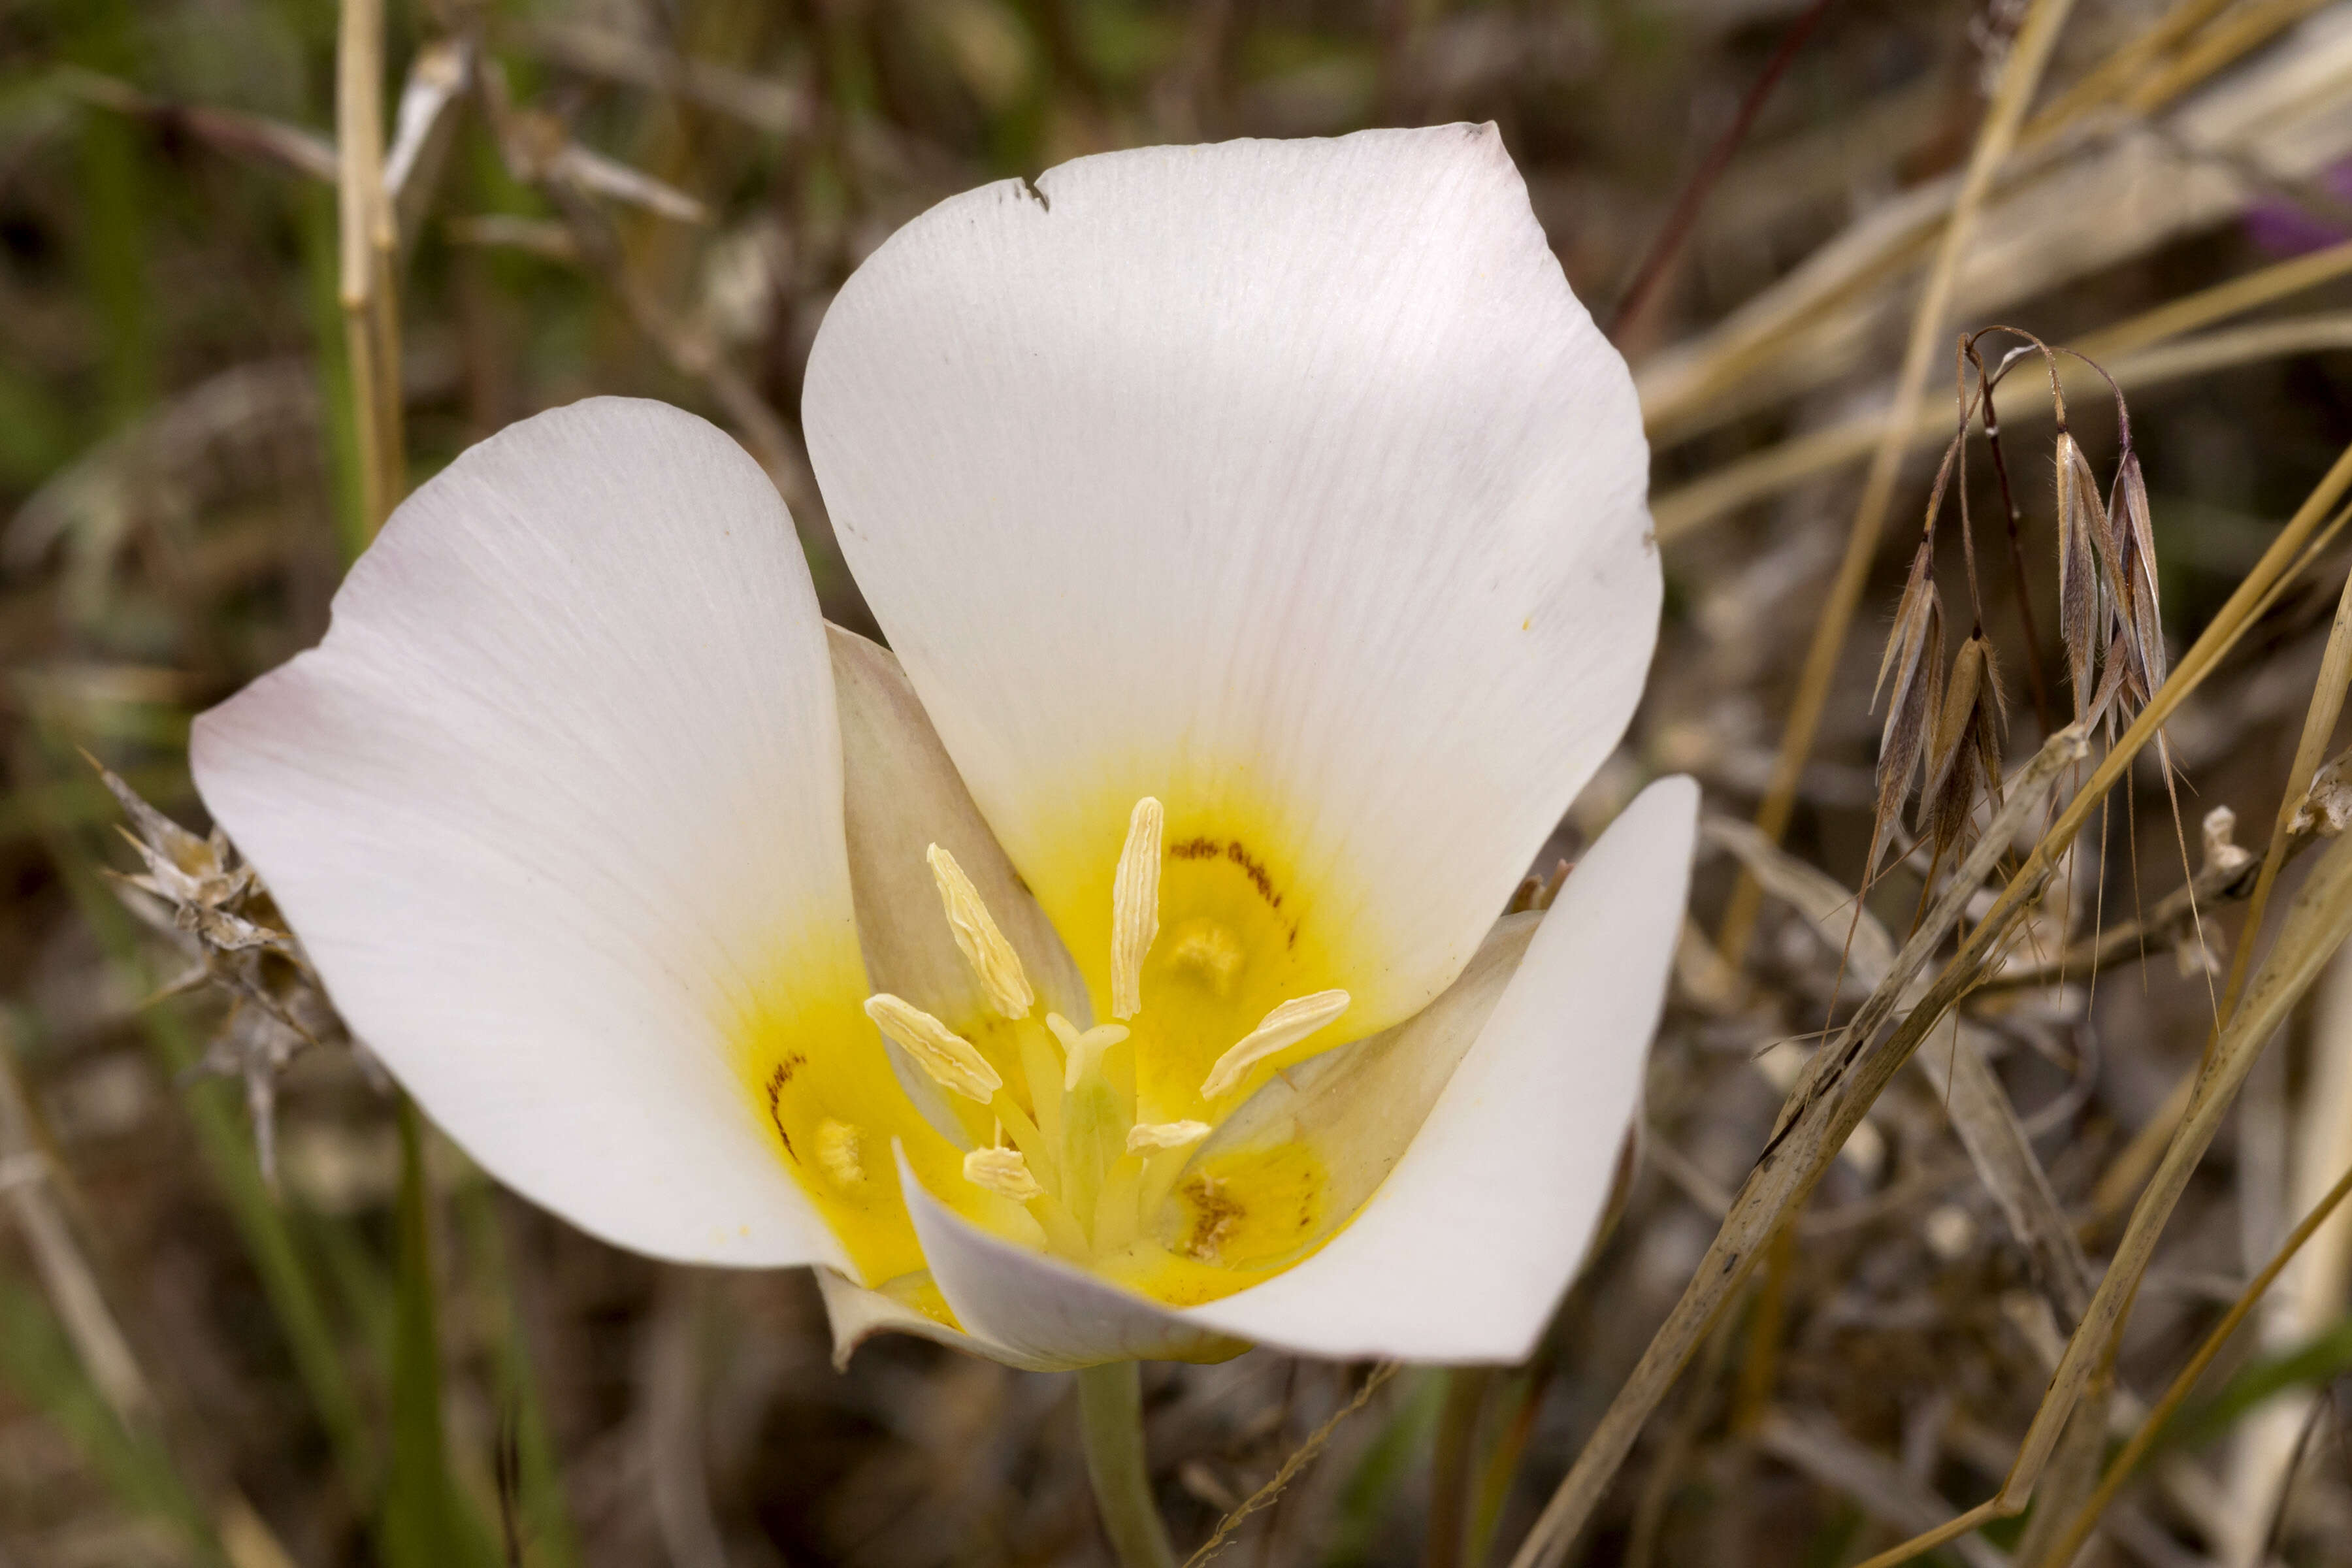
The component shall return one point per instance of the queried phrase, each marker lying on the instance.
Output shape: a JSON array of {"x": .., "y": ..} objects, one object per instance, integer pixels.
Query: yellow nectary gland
[{"x": 1085, "y": 1167}]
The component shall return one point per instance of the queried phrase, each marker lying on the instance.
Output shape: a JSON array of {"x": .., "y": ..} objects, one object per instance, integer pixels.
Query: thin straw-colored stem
[
  {"x": 1110, "y": 1422},
  {"x": 2114, "y": 76},
  {"x": 2029, "y": 53},
  {"x": 2236, "y": 34},
  {"x": 368, "y": 242},
  {"x": 2130, "y": 350},
  {"x": 2079, "y": 1528},
  {"x": 2318, "y": 725},
  {"x": 1828, "y": 1111}
]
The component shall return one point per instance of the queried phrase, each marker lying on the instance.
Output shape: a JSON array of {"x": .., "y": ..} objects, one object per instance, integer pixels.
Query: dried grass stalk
[{"x": 1844, "y": 1079}]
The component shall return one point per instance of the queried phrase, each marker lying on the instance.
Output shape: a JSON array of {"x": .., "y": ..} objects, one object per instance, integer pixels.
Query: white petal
[
  {"x": 1358, "y": 1106},
  {"x": 556, "y": 807},
  {"x": 1463, "y": 1254},
  {"x": 856, "y": 1314},
  {"x": 1039, "y": 1311},
  {"x": 1286, "y": 481},
  {"x": 903, "y": 797}
]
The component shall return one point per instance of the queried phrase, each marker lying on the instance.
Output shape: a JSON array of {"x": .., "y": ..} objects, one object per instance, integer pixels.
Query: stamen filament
[
  {"x": 1159, "y": 1173},
  {"x": 1280, "y": 1029},
  {"x": 1063, "y": 1234},
  {"x": 984, "y": 946},
  {"x": 1134, "y": 907},
  {"x": 951, "y": 1060},
  {"x": 1114, "y": 1208},
  {"x": 1012, "y": 1119},
  {"x": 1165, "y": 1147},
  {"x": 1042, "y": 1068}
]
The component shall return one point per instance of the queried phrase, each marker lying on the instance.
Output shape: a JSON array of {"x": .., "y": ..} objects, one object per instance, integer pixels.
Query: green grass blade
[{"x": 38, "y": 1364}]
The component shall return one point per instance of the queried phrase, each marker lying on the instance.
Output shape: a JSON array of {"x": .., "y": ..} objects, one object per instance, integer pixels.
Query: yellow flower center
[
  {"x": 1085, "y": 1138},
  {"x": 1087, "y": 1142}
]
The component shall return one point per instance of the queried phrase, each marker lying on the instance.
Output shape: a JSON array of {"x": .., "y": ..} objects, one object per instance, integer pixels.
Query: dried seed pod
[
  {"x": 2133, "y": 532},
  {"x": 1915, "y": 652},
  {"x": 2082, "y": 529},
  {"x": 1965, "y": 755}
]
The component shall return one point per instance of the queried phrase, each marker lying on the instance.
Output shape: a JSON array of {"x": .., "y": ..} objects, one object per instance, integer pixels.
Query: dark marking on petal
[
  {"x": 778, "y": 1080},
  {"x": 1254, "y": 869}
]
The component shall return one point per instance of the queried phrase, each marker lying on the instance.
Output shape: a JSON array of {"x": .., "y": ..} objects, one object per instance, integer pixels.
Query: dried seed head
[
  {"x": 2133, "y": 535},
  {"x": 1915, "y": 652},
  {"x": 200, "y": 895},
  {"x": 1965, "y": 753},
  {"x": 2082, "y": 527}
]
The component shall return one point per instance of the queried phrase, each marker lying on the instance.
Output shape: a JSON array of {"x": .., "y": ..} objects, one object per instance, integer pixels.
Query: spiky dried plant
[{"x": 203, "y": 898}]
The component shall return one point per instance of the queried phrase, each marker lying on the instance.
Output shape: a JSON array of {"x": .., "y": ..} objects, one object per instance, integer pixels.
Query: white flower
[{"x": 1260, "y": 532}]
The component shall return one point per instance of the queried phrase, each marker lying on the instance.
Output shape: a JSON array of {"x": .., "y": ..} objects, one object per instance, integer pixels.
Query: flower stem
[{"x": 1110, "y": 1419}]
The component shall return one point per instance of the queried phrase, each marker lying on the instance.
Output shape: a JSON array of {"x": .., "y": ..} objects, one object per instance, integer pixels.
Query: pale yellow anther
[
  {"x": 976, "y": 934},
  {"x": 839, "y": 1152},
  {"x": 1134, "y": 907},
  {"x": 947, "y": 1056},
  {"x": 1082, "y": 1050},
  {"x": 1278, "y": 1030},
  {"x": 1003, "y": 1172},
  {"x": 1147, "y": 1137}
]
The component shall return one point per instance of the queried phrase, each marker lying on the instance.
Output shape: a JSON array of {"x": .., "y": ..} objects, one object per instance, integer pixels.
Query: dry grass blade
[
  {"x": 2068, "y": 205},
  {"x": 2318, "y": 725},
  {"x": 1978, "y": 1106},
  {"x": 2308, "y": 806},
  {"x": 2249, "y": 27},
  {"x": 1813, "y": 1444},
  {"x": 2226, "y": 872},
  {"x": 759, "y": 101},
  {"x": 1828, "y": 906},
  {"x": 2316, "y": 927},
  {"x": 2115, "y": 75},
  {"x": 1775, "y": 1184},
  {"x": 425, "y": 128},
  {"x": 1838, "y": 1088},
  {"x": 1300, "y": 1459},
  {"x": 2126, "y": 1462},
  {"x": 269, "y": 142},
  {"x": 2020, "y": 75},
  {"x": 1997, "y": 1146},
  {"x": 1681, "y": 512},
  {"x": 26, "y": 1174}
]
